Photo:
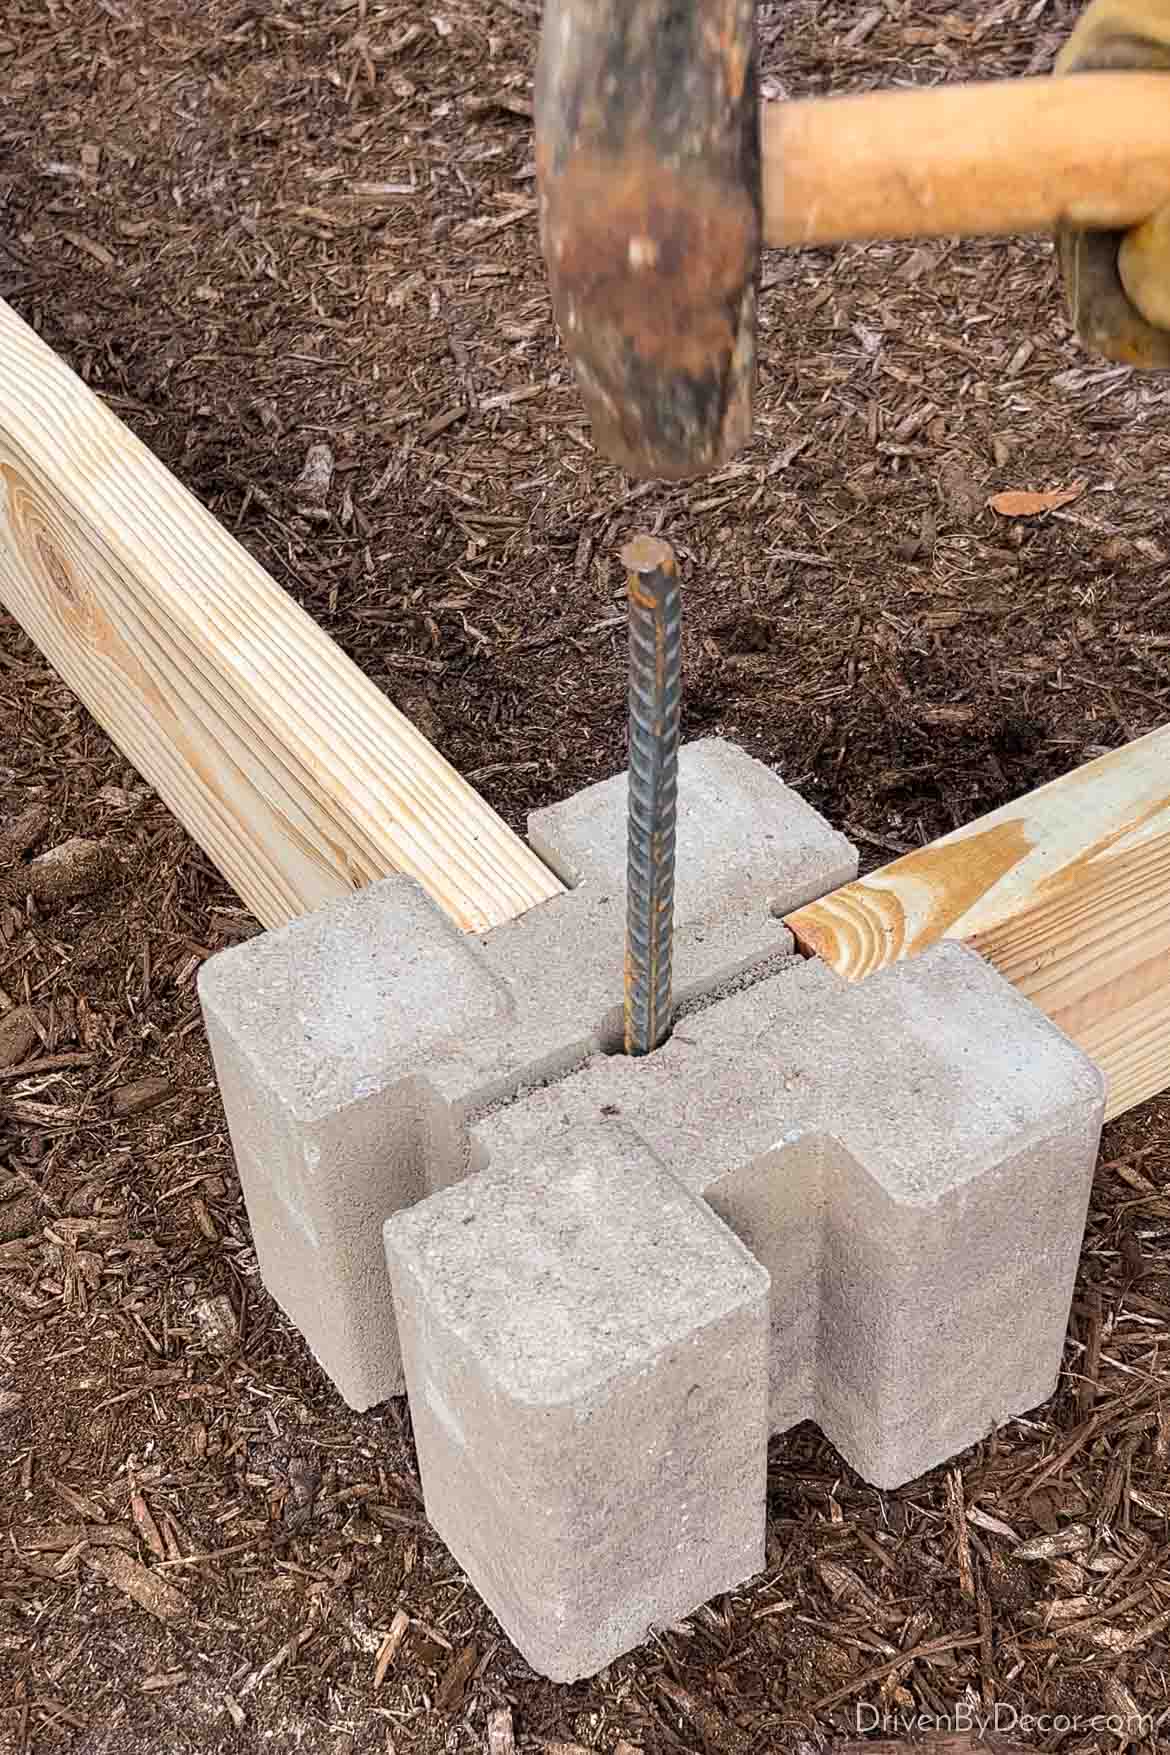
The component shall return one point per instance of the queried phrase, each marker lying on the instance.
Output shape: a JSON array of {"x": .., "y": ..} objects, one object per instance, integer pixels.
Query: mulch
[{"x": 257, "y": 229}]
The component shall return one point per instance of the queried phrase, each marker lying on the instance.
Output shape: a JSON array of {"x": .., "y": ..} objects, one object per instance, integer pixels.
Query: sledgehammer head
[{"x": 648, "y": 161}]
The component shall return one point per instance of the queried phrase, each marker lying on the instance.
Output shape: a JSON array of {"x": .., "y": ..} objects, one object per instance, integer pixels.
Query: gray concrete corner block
[
  {"x": 352, "y": 1046},
  {"x": 585, "y": 1347},
  {"x": 581, "y": 1245}
]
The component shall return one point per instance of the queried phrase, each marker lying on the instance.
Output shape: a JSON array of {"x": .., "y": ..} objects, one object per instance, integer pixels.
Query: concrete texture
[
  {"x": 586, "y": 1358},
  {"x": 352, "y": 1046},
  {"x": 907, "y": 1161},
  {"x": 321, "y": 1034},
  {"x": 910, "y": 1158}
]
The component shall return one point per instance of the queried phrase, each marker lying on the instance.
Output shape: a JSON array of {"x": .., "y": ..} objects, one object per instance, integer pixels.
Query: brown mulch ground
[{"x": 254, "y": 228}]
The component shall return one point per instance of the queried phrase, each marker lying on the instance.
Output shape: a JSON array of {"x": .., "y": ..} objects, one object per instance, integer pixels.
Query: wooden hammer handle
[{"x": 968, "y": 160}]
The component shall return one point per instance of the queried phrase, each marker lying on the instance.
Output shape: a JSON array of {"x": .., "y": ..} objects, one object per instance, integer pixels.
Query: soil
[{"x": 255, "y": 228}]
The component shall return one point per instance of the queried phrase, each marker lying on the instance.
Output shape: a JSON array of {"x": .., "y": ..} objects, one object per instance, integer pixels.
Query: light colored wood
[
  {"x": 291, "y": 770},
  {"x": 1066, "y": 891},
  {"x": 988, "y": 159}
]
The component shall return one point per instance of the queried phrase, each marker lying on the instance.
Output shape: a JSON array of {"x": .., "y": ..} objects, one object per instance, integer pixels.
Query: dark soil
[{"x": 253, "y": 228}]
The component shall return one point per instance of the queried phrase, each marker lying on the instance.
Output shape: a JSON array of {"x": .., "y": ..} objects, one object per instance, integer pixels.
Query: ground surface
[{"x": 255, "y": 228}]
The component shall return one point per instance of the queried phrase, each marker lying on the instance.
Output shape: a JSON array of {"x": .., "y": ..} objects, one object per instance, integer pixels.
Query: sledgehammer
[{"x": 661, "y": 178}]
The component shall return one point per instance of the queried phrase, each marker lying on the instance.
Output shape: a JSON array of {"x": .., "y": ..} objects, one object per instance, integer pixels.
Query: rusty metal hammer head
[{"x": 648, "y": 160}]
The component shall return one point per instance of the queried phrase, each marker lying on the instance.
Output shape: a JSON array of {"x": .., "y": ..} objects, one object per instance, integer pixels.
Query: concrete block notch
[{"x": 907, "y": 1161}]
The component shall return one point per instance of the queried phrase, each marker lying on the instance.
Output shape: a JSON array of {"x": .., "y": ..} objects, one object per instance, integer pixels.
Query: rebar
[{"x": 655, "y": 605}]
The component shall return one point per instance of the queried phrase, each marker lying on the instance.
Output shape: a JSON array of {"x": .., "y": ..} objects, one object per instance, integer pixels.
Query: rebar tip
[{"x": 648, "y": 554}]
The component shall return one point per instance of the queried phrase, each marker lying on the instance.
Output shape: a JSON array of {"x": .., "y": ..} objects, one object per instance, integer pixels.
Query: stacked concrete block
[
  {"x": 586, "y": 1358},
  {"x": 571, "y": 1233},
  {"x": 910, "y": 1158},
  {"x": 352, "y": 1046}
]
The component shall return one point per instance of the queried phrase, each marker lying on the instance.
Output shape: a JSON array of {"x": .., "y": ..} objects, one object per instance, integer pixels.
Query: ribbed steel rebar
[{"x": 655, "y": 603}]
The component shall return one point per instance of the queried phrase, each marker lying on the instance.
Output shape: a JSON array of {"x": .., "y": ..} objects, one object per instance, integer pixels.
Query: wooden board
[
  {"x": 1066, "y": 891},
  {"x": 291, "y": 770},
  {"x": 994, "y": 157}
]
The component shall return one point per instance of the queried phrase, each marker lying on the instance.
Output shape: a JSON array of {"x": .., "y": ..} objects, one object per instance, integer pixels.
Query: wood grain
[
  {"x": 986, "y": 159},
  {"x": 1066, "y": 891},
  {"x": 296, "y": 776}
]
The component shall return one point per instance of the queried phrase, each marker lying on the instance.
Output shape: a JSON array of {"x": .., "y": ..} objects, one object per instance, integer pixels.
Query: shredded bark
[{"x": 294, "y": 246}]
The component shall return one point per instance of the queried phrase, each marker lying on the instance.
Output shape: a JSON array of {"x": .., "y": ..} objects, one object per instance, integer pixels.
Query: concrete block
[
  {"x": 747, "y": 844},
  {"x": 352, "y": 1046},
  {"x": 320, "y": 1033},
  {"x": 907, "y": 1160},
  {"x": 910, "y": 1158},
  {"x": 586, "y": 1357},
  {"x": 950, "y": 1260}
]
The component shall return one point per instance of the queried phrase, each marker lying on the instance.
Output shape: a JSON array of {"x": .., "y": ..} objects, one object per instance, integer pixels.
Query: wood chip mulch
[{"x": 292, "y": 243}]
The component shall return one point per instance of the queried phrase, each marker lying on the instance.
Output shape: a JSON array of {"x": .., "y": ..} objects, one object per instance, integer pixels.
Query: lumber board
[
  {"x": 1066, "y": 891},
  {"x": 297, "y": 777}
]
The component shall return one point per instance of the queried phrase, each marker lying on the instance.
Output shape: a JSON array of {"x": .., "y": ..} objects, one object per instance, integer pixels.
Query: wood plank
[
  {"x": 1066, "y": 891},
  {"x": 292, "y": 771},
  {"x": 995, "y": 157}
]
